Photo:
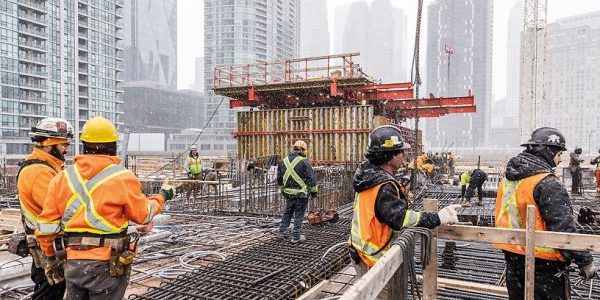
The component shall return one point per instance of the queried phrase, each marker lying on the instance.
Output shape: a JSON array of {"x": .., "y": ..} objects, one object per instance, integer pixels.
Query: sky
[{"x": 190, "y": 32}]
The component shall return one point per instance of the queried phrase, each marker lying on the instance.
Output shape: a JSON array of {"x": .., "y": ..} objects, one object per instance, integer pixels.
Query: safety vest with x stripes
[
  {"x": 290, "y": 172},
  {"x": 81, "y": 203}
]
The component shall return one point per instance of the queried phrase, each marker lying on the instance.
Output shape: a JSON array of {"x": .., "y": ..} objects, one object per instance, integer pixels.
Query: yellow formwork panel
[{"x": 333, "y": 134}]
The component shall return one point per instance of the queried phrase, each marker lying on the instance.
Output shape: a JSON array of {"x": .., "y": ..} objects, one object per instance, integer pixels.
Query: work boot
[{"x": 299, "y": 240}]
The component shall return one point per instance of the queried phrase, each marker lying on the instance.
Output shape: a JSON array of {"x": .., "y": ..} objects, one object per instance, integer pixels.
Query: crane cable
[
  {"x": 415, "y": 78},
  {"x": 194, "y": 142}
]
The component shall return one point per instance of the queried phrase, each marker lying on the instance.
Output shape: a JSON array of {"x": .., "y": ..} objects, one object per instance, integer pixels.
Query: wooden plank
[
  {"x": 314, "y": 291},
  {"x": 530, "y": 253},
  {"x": 430, "y": 281},
  {"x": 370, "y": 285},
  {"x": 469, "y": 286},
  {"x": 557, "y": 240}
]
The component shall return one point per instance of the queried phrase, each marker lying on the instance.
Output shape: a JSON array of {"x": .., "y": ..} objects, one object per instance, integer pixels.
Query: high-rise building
[
  {"x": 242, "y": 32},
  {"x": 198, "y": 75},
  {"x": 151, "y": 41},
  {"x": 573, "y": 80},
  {"x": 340, "y": 17},
  {"x": 314, "y": 28},
  {"x": 459, "y": 58},
  {"x": 155, "y": 108},
  {"x": 59, "y": 58},
  {"x": 513, "y": 61},
  {"x": 378, "y": 32}
]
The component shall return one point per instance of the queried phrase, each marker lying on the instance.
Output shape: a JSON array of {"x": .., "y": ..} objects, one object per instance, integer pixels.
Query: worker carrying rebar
[
  {"x": 596, "y": 161},
  {"x": 380, "y": 206},
  {"x": 469, "y": 181},
  {"x": 193, "y": 164},
  {"x": 51, "y": 138},
  {"x": 93, "y": 202},
  {"x": 575, "y": 170},
  {"x": 530, "y": 180},
  {"x": 296, "y": 180}
]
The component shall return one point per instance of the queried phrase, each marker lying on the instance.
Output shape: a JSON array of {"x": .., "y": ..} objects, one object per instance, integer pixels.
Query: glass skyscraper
[
  {"x": 151, "y": 41},
  {"x": 59, "y": 58}
]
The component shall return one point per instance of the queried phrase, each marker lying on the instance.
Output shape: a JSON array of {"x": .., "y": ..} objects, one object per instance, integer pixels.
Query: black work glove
[
  {"x": 54, "y": 270},
  {"x": 313, "y": 194}
]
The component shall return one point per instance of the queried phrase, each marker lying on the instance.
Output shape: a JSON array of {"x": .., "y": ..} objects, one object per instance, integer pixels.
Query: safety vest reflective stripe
[
  {"x": 509, "y": 207},
  {"x": 82, "y": 190},
  {"x": 411, "y": 218},
  {"x": 30, "y": 218},
  {"x": 150, "y": 213},
  {"x": 290, "y": 172},
  {"x": 48, "y": 228}
]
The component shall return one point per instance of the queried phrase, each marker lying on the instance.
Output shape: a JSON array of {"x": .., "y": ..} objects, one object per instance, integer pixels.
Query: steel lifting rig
[{"x": 333, "y": 80}]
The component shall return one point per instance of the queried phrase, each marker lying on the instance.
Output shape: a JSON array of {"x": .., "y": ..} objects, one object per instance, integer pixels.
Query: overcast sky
[{"x": 190, "y": 32}]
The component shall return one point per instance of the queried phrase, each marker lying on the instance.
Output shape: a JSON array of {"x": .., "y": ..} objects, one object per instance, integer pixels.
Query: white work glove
[
  {"x": 588, "y": 271},
  {"x": 448, "y": 215}
]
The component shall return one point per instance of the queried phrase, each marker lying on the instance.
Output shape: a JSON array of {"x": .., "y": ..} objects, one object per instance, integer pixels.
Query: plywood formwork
[{"x": 333, "y": 134}]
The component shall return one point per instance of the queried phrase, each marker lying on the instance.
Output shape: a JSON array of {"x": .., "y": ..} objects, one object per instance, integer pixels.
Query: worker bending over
[{"x": 475, "y": 180}]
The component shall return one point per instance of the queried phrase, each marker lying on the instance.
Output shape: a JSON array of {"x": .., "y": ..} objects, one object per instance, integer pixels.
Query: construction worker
[
  {"x": 475, "y": 180},
  {"x": 451, "y": 159},
  {"x": 530, "y": 180},
  {"x": 193, "y": 164},
  {"x": 51, "y": 138},
  {"x": 575, "y": 169},
  {"x": 93, "y": 202},
  {"x": 596, "y": 161},
  {"x": 380, "y": 206},
  {"x": 296, "y": 180}
]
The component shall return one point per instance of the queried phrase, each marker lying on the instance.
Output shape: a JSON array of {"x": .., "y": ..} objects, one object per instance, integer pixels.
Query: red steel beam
[
  {"x": 436, "y": 102},
  {"x": 433, "y": 112}
]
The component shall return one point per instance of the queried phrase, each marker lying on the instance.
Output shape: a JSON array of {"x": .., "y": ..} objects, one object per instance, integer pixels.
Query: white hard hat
[
  {"x": 52, "y": 127},
  {"x": 193, "y": 147}
]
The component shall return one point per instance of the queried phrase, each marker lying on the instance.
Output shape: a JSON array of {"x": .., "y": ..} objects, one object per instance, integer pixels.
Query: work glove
[
  {"x": 448, "y": 215},
  {"x": 588, "y": 271},
  {"x": 313, "y": 195},
  {"x": 167, "y": 190},
  {"x": 54, "y": 270}
]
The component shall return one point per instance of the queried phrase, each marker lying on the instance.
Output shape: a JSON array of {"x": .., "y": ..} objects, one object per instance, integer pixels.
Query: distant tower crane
[
  {"x": 533, "y": 65},
  {"x": 448, "y": 51}
]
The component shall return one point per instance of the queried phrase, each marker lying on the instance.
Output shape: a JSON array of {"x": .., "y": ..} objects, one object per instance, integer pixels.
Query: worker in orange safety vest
[
  {"x": 92, "y": 202},
  {"x": 530, "y": 180},
  {"x": 51, "y": 138}
]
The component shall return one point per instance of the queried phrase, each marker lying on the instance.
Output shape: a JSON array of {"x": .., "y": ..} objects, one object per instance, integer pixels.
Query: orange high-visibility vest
[
  {"x": 511, "y": 212},
  {"x": 369, "y": 237}
]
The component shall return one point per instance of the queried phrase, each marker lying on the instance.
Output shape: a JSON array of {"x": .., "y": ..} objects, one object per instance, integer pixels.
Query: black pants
[
  {"x": 42, "y": 289},
  {"x": 471, "y": 191},
  {"x": 294, "y": 208},
  {"x": 90, "y": 280},
  {"x": 547, "y": 286},
  {"x": 575, "y": 180}
]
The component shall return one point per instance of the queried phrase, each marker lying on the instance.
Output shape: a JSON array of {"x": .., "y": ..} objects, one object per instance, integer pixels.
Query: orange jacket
[
  {"x": 33, "y": 185},
  {"x": 113, "y": 202}
]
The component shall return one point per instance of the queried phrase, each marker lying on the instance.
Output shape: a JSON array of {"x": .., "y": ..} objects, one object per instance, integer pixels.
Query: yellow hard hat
[
  {"x": 300, "y": 144},
  {"x": 99, "y": 130}
]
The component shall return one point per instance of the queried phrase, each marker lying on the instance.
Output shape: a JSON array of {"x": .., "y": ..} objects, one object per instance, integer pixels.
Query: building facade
[
  {"x": 378, "y": 32},
  {"x": 459, "y": 59},
  {"x": 59, "y": 58},
  {"x": 151, "y": 41},
  {"x": 242, "y": 32},
  {"x": 513, "y": 61},
  {"x": 152, "y": 108},
  {"x": 573, "y": 80}
]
